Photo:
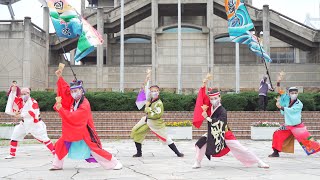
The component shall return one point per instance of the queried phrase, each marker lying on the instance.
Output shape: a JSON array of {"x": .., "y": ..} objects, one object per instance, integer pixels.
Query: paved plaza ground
[{"x": 159, "y": 162}]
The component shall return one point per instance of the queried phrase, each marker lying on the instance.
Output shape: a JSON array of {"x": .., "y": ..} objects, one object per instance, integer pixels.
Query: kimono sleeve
[
  {"x": 156, "y": 111},
  {"x": 76, "y": 118},
  {"x": 63, "y": 90}
]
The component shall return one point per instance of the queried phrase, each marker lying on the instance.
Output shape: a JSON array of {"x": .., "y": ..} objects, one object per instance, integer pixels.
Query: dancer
[
  {"x": 79, "y": 138},
  {"x": 152, "y": 121},
  {"x": 31, "y": 123},
  {"x": 219, "y": 139},
  {"x": 293, "y": 128},
  {"x": 13, "y": 92}
]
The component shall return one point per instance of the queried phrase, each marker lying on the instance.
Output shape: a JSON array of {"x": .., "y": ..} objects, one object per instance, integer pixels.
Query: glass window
[
  {"x": 184, "y": 29},
  {"x": 282, "y": 54},
  {"x": 135, "y": 40},
  {"x": 223, "y": 39}
]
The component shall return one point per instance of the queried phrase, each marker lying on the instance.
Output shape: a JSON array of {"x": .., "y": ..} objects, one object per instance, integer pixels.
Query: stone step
[
  {"x": 118, "y": 119},
  {"x": 133, "y": 121},
  {"x": 128, "y": 127}
]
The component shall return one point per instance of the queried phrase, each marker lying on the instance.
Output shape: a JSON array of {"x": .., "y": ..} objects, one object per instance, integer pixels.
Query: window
[
  {"x": 184, "y": 29},
  {"x": 282, "y": 54},
  {"x": 135, "y": 40}
]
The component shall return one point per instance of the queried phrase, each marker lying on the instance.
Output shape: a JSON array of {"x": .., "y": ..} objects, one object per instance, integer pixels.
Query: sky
[{"x": 296, "y": 9}]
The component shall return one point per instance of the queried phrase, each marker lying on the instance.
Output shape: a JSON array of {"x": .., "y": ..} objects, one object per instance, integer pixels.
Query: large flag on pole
[
  {"x": 239, "y": 26},
  {"x": 69, "y": 24},
  {"x": 88, "y": 40},
  {"x": 65, "y": 19}
]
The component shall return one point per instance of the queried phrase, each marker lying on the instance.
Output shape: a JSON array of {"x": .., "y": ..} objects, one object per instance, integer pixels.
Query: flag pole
[
  {"x": 65, "y": 58},
  {"x": 265, "y": 64}
]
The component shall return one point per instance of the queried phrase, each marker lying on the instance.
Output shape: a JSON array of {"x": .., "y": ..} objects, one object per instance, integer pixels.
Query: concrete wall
[
  {"x": 224, "y": 53},
  {"x": 39, "y": 63},
  {"x": 197, "y": 20},
  {"x": 134, "y": 76},
  {"x": 12, "y": 55},
  {"x": 142, "y": 27},
  {"x": 305, "y": 75},
  {"x": 135, "y": 53},
  {"x": 194, "y": 59}
]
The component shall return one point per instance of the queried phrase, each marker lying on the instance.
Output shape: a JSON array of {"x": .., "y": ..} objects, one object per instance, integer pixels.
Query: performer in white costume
[{"x": 31, "y": 123}]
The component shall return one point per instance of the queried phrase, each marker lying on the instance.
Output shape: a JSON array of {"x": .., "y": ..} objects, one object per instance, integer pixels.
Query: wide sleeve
[
  {"x": 33, "y": 111},
  {"x": 296, "y": 108},
  {"x": 222, "y": 116},
  {"x": 156, "y": 111},
  {"x": 76, "y": 118},
  {"x": 63, "y": 90},
  {"x": 9, "y": 91},
  {"x": 202, "y": 99},
  {"x": 293, "y": 114}
]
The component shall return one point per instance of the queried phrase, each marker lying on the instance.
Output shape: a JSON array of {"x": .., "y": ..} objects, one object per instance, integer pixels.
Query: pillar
[
  {"x": 83, "y": 7},
  {"x": 47, "y": 50},
  {"x": 210, "y": 25},
  {"x": 296, "y": 55},
  {"x": 100, "y": 29},
  {"x": 72, "y": 53},
  {"x": 154, "y": 21},
  {"x": 266, "y": 29},
  {"x": 26, "y": 61}
]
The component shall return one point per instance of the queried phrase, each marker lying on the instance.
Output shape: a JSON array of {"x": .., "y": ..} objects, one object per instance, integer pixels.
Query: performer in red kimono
[
  {"x": 79, "y": 137},
  {"x": 219, "y": 139}
]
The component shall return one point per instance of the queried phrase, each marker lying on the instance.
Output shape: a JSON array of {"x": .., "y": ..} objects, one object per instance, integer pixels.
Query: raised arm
[{"x": 63, "y": 90}]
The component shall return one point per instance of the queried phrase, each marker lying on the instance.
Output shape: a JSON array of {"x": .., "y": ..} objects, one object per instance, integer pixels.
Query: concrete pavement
[{"x": 159, "y": 162}]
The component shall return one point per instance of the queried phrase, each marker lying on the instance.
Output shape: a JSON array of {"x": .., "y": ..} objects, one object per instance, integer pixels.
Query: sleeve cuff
[{"x": 208, "y": 119}]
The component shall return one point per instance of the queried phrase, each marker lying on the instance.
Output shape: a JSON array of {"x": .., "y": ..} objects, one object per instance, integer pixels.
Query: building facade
[{"x": 151, "y": 42}]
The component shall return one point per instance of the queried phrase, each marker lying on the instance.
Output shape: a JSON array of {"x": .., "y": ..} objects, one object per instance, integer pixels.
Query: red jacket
[{"x": 77, "y": 125}]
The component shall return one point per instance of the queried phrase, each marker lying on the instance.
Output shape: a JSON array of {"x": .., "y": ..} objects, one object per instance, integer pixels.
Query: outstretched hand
[
  {"x": 206, "y": 79},
  {"x": 17, "y": 114}
]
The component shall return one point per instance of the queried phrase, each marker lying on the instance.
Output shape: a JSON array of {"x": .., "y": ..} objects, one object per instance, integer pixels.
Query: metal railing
[
  {"x": 284, "y": 17},
  {"x": 115, "y": 8},
  {"x": 38, "y": 28},
  {"x": 11, "y": 21}
]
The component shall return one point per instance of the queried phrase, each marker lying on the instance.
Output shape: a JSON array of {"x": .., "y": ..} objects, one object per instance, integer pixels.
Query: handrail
[
  {"x": 37, "y": 27},
  {"x": 278, "y": 13},
  {"x": 11, "y": 21},
  {"x": 115, "y": 8},
  {"x": 249, "y": 5},
  {"x": 295, "y": 21}
]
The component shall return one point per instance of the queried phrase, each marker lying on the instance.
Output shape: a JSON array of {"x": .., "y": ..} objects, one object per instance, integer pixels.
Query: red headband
[{"x": 215, "y": 94}]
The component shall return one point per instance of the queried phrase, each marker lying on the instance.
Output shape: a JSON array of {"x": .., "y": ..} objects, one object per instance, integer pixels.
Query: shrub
[
  {"x": 116, "y": 101},
  {"x": 308, "y": 101},
  {"x": 234, "y": 102}
]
